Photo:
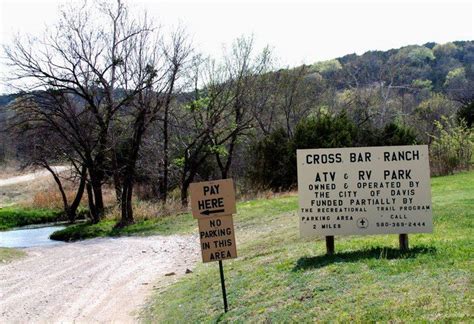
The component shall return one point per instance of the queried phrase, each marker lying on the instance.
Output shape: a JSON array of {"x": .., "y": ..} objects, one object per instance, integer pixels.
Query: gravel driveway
[{"x": 99, "y": 280}]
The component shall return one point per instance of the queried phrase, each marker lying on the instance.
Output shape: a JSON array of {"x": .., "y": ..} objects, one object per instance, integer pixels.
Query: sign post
[
  {"x": 224, "y": 294},
  {"x": 330, "y": 245},
  {"x": 213, "y": 204},
  {"x": 364, "y": 191},
  {"x": 403, "y": 242}
]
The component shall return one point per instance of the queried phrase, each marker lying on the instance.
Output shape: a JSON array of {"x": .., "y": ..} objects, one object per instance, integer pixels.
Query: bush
[
  {"x": 83, "y": 231},
  {"x": 452, "y": 148},
  {"x": 325, "y": 131},
  {"x": 466, "y": 113},
  {"x": 11, "y": 217},
  {"x": 394, "y": 134},
  {"x": 271, "y": 158},
  {"x": 274, "y": 158}
]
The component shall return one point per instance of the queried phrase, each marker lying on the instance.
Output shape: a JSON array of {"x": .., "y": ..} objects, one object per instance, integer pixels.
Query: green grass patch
[
  {"x": 179, "y": 224},
  {"x": 11, "y": 217},
  {"x": 7, "y": 255},
  {"x": 280, "y": 277}
]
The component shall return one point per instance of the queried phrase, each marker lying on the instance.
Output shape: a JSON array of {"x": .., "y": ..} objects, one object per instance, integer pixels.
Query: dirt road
[
  {"x": 22, "y": 188},
  {"x": 30, "y": 176},
  {"x": 99, "y": 280}
]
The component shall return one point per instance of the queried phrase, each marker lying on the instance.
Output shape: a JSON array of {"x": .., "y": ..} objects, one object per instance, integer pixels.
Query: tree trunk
[
  {"x": 184, "y": 193},
  {"x": 116, "y": 178},
  {"x": 127, "y": 209},
  {"x": 92, "y": 210},
  {"x": 224, "y": 173},
  {"x": 185, "y": 181},
  {"x": 78, "y": 198},
  {"x": 164, "y": 180},
  {"x": 129, "y": 172},
  {"x": 96, "y": 183},
  {"x": 60, "y": 187}
]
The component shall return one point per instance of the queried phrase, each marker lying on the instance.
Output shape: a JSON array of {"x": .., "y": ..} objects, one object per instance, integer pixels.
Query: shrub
[
  {"x": 11, "y": 217},
  {"x": 51, "y": 198},
  {"x": 274, "y": 163},
  {"x": 452, "y": 148},
  {"x": 271, "y": 159},
  {"x": 396, "y": 134},
  {"x": 274, "y": 157},
  {"x": 325, "y": 131},
  {"x": 466, "y": 113}
]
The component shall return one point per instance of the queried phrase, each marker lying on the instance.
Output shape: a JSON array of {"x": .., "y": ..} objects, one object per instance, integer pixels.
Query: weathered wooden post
[
  {"x": 403, "y": 242},
  {"x": 330, "y": 245}
]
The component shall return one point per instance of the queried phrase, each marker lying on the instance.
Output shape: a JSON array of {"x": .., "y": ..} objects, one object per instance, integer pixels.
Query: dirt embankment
[{"x": 100, "y": 280}]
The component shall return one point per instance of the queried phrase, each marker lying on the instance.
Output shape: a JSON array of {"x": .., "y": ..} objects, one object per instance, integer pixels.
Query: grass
[
  {"x": 7, "y": 255},
  {"x": 11, "y": 217},
  {"x": 179, "y": 224},
  {"x": 279, "y": 277}
]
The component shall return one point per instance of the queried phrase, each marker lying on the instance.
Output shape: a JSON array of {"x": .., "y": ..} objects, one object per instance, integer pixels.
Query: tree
[
  {"x": 293, "y": 96},
  {"x": 160, "y": 65},
  {"x": 198, "y": 127},
  {"x": 466, "y": 113},
  {"x": 452, "y": 146},
  {"x": 41, "y": 146},
  {"x": 271, "y": 160},
  {"x": 274, "y": 157},
  {"x": 396, "y": 134},
  {"x": 53, "y": 127},
  {"x": 431, "y": 110},
  {"x": 93, "y": 66},
  {"x": 238, "y": 76}
]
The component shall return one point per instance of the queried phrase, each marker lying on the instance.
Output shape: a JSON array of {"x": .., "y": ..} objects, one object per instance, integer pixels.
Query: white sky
[{"x": 298, "y": 31}]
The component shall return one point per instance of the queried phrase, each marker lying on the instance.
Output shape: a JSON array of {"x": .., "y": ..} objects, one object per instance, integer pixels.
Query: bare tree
[
  {"x": 294, "y": 96},
  {"x": 176, "y": 53},
  {"x": 234, "y": 81},
  {"x": 38, "y": 135},
  {"x": 89, "y": 62},
  {"x": 199, "y": 121},
  {"x": 161, "y": 65}
]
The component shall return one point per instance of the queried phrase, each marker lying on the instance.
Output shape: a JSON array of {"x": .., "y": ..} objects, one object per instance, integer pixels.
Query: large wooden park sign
[{"x": 361, "y": 191}]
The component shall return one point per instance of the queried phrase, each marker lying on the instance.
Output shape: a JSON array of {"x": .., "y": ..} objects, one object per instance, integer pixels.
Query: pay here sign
[{"x": 212, "y": 198}]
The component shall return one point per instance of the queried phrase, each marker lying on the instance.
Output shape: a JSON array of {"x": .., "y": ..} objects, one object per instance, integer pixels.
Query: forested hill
[
  {"x": 430, "y": 65},
  {"x": 437, "y": 66}
]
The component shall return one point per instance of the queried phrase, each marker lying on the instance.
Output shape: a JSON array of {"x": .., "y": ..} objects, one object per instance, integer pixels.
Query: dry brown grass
[
  {"x": 266, "y": 194},
  {"x": 51, "y": 199},
  {"x": 146, "y": 210},
  {"x": 23, "y": 193}
]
